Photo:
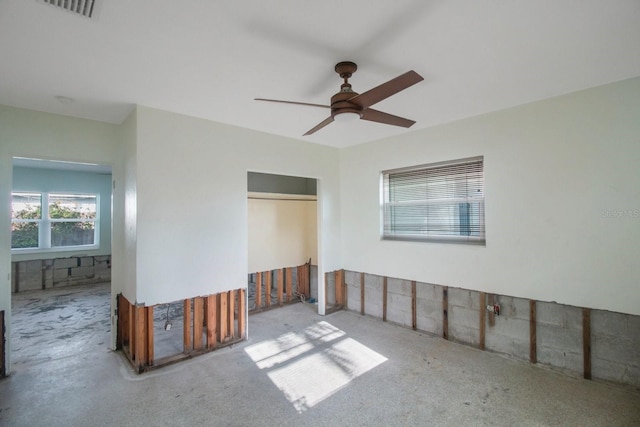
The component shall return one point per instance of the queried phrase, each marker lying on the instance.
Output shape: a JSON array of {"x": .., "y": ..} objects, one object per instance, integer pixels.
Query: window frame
[
  {"x": 430, "y": 235},
  {"x": 45, "y": 223}
]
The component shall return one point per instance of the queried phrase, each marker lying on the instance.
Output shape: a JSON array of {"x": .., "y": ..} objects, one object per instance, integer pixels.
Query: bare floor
[
  {"x": 297, "y": 368},
  {"x": 60, "y": 322}
]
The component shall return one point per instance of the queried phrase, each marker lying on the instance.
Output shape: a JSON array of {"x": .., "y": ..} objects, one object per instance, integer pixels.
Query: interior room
[{"x": 365, "y": 212}]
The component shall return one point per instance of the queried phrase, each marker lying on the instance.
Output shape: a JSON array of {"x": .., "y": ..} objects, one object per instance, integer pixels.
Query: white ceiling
[{"x": 211, "y": 58}]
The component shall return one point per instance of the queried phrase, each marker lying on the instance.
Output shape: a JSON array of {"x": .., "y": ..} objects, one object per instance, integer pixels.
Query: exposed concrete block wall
[
  {"x": 429, "y": 308},
  {"x": 50, "y": 273},
  {"x": 615, "y": 346},
  {"x": 29, "y": 275},
  {"x": 373, "y": 295},
  {"x": 615, "y": 337},
  {"x": 510, "y": 333},
  {"x": 559, "y": 336},
  {"x": 352, "y": 283},
  {"x": 330, "y": 288},
  {"x": 464, "y": 316},
  {"x": 313, "y": 283},
  {"x": 399, "y": 301}
]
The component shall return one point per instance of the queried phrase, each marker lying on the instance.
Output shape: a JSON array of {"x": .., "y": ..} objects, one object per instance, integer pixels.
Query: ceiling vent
[{"x": 86, "y": 8}]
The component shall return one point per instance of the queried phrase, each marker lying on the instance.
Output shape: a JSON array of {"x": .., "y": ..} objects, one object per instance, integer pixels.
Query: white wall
[
  {"x": 124, "y": 215},
  {"x": 192, "y": 216},
  {"x": 282, "y": 233},
  {"x": 47, "y": 136},
  {"x": 557, "y": 172}
]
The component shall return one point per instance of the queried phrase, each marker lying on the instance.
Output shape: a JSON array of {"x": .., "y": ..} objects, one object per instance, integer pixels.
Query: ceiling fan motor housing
[{"x": 340, "y": 103}]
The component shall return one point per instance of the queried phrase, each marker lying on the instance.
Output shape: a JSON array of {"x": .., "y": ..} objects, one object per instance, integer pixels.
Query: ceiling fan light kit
[
  {"x": 346, "y": 116},
  {"x": 348, "y": 105}
]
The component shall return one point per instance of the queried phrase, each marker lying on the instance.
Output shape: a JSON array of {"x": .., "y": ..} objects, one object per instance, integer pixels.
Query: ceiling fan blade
[
  {"x": 388, "y": 119},
  {"x": 292, "y": 102},
  {"x": 387, "y": 89},
  {"x": 320, "y": 125}
]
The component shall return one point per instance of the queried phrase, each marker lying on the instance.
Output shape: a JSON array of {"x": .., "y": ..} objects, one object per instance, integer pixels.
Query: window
[
  {"x": 69, "y": 220},
  {"x": 26, "y": 215},
  {"x": 436, "y": 202}
]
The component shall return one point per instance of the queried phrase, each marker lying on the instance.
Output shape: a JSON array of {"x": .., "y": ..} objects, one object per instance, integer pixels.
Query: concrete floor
[
  {"x": 60, "y": 322},
  {"x": 298, "y": 368}
]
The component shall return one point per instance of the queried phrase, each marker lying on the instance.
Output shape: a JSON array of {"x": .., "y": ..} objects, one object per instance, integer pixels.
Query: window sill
[
  {"x": 29, "y": 251},
  {"x": 455, "y": 240}
]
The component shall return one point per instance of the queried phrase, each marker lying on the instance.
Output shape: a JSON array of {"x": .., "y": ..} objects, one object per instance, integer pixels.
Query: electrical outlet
[{"x": 167, "y": 326}]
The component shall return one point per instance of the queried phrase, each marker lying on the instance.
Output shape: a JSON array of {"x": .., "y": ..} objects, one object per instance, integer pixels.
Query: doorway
[
  {"x": 60, "y": 259},
  {"x": 283, "y": 243}
]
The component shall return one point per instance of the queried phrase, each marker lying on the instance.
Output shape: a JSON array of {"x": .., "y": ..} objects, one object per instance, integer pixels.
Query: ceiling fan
[{"x": 348, "y": 104}]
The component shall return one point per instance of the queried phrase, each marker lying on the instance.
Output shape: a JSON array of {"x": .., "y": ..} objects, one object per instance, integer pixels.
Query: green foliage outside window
[
  {"x": 71, "y": 233},
  {"x": 25, "y": 234}
]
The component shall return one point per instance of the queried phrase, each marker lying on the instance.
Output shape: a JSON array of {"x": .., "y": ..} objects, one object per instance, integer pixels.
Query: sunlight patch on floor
[{"x": 313, "y": 364}]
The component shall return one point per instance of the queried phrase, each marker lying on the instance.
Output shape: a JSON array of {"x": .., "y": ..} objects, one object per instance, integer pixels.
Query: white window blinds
[{"x": 437, "y": 202}]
